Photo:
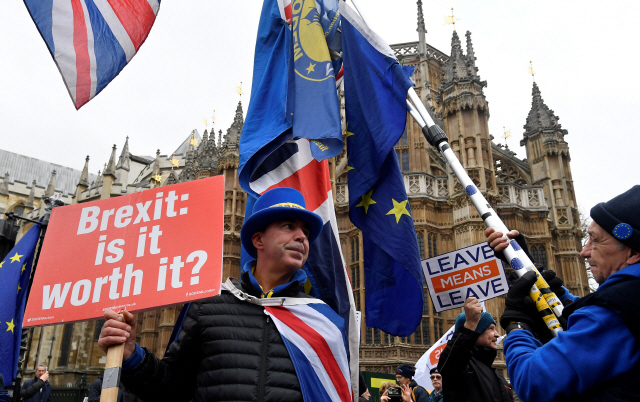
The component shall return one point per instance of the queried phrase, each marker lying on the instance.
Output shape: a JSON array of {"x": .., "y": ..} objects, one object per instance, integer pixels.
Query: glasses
[{"x": 436, "y": 377}]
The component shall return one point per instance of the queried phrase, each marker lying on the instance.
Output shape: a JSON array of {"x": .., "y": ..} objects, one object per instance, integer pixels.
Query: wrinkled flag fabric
[
  {"x": 375, "y": 90},
  {"x": 92, "y": 40}
]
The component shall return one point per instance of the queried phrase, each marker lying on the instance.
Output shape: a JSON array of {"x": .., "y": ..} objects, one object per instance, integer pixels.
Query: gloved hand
[
  {"x": 556, "y": 286},
  {"x": 518, "y": 306},
  {"x": 554, "y": 282}
]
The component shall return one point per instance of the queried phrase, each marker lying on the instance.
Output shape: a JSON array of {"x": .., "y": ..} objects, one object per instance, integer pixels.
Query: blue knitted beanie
[
  {"x": 620, "y": 218},
  {"x": 485, "y": 320}
]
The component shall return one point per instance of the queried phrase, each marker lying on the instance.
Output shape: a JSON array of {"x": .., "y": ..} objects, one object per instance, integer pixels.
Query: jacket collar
[
  {"x": 252, "y": 287},
  {"x": 485, "y": 354}
]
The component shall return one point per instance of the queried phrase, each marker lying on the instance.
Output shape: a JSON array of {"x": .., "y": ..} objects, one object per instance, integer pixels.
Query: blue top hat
[{"x": 278, "y": 203}]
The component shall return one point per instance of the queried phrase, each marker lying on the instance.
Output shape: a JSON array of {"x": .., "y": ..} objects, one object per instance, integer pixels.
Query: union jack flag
[
  {"x": 92, "y": 40},
  {"x": 292, "y": 165},
  {"x": 312, "y": 334}
]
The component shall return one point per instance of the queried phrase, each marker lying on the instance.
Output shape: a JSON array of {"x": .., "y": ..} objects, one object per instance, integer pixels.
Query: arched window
[
  {"x": 376, "y": 336},
  {"x": 543, "y": 256},
  {"x": 534, "y": 254},
  {"x": 425, "y": 332},
  {"x": 433, "y": 249},
  {"x": 368, "y": 339},
  {"x": 417, "y": 336},
  {"x": 420, "y": 238}
]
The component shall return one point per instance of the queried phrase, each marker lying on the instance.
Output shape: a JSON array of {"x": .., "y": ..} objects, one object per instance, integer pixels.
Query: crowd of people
[{"x": 228, "y": 349}]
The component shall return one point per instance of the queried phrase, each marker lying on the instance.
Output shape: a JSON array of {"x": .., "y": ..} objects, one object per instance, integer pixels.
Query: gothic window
[
  {"x": 403, "y": 159},
  {"x": 425, "y": 332},
  {"x": 404, "y": 138},
  {"x": 353, "y": 277},
  {"x": 421, "y": 244},
  {"x": 355, "y": 249},
  {"x": 542, "y": 252},
  {"x": 438, "y": 329},
  {"x": 509, "y": 174},
  {"x": 357, "y": 277},
  {"x": 386, "y": 338},
  {"x": 417, "y": 336},
  {"x": 376, "y": 336},
  {"x": 425, "y": 302},
  {"x": 368, "y": 339},
  {"x": 66, "y": 345},
  {"x": 357, "y": 297},
  {"x": 534, "y": 254},
  {"x": 99, "y": 324},
  {"x": 431, "y": 240}
]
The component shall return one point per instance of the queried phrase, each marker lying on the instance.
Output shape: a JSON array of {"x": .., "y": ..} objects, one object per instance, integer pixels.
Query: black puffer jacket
[
  {"x": 466, "y": 371},
  {"x": 228, "y": 350}
]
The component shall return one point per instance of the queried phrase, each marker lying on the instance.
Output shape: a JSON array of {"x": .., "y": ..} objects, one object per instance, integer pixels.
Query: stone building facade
[{"x": 534, "y": 195}]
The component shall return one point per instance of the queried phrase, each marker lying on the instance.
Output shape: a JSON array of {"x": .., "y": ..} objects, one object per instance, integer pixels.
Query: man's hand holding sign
[
  {"x": 140, "y": 251},
  {"x": 135, "y": 252},
  {"x": 469, "y": 272}
]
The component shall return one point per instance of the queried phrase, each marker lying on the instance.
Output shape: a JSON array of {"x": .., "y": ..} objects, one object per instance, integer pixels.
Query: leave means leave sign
[{"x": 472, "y": 271}]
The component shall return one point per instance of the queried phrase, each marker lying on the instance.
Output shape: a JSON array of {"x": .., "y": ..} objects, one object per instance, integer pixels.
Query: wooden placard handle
[{"x": 111, "y": 378}]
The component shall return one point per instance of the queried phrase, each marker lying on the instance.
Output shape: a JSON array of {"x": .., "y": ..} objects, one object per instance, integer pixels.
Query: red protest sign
[{"x": 140, "y": 251}]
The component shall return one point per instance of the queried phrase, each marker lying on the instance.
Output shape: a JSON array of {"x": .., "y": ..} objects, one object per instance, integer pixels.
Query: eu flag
[
  {"x": 375, "y": 88},
  {"x": 293, "y": 94},
  {"x": 15, "y": 270}
]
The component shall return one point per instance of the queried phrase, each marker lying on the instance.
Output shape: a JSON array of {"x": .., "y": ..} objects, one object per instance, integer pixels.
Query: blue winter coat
[{"x": 597, "y": 347}]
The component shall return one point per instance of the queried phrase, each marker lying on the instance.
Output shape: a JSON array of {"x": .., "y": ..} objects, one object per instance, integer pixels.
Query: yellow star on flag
[
  {"x": 348, "y": 167},
  {"x": 10, "y": 325},
  {"x": 311, "y": 68},
  {"x": 1, "y": 264},
  {"x": 23, "y": 268},
  {"x": 399, "y": 209},
  {"x": 16, "y": 257},
  {"x": 348, "y": 133},
  {"x": 366, "y": 201},
  {"x": 18, "y": 289}
]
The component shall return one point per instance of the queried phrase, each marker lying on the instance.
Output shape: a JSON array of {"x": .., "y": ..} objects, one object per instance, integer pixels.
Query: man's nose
[{"x": 299, "y": 234}]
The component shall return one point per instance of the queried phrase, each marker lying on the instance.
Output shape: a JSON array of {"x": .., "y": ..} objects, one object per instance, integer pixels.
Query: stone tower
[{"x": 549, "y": 161}]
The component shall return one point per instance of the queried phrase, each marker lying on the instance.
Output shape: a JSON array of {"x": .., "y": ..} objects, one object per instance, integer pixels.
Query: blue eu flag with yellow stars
[
  {"x": 15, "y": 270},
  {"x": 375, "y": 88},
  {"x": 293, "y": 93}
]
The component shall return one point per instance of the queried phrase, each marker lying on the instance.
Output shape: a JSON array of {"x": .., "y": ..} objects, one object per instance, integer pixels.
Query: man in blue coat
[{"x": 597, "y": 357}]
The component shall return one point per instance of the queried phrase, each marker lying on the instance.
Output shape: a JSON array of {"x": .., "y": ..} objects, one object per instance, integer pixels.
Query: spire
[
  {"x": 111, "y": 166},
  {"x": 4, "y": 187},
  {"x": 233, "y": 133},
  {"x": 84, "y": 176},
  {"x": 219, "y": 138},
  {"x": 540, "y": 116},
  {"x": 32, "y": 195},
  {"x": 471, "y": 57},
  {"x": 156, "y": 163},
  {"x": 124, "y": 162},
  {"x": 422, "y": 30},
  {"x": 460, "y": 67},
  {"x": 51, "y": 188}
]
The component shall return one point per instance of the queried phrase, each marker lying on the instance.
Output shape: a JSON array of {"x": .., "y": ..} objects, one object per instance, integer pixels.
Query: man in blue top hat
[
  {"x": 597, "y": 357},
  {"x": 228, "y": 348}
]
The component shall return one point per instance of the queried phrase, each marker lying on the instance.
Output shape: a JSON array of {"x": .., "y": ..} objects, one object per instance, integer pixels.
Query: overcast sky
[{"x": 583, "y": 54}]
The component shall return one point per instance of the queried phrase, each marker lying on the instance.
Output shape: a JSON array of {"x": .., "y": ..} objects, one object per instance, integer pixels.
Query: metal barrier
[{"x": 64, "y": 394}]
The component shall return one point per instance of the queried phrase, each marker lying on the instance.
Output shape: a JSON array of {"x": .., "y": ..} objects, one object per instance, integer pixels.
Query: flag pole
[{"x": 547, "y": 303}]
